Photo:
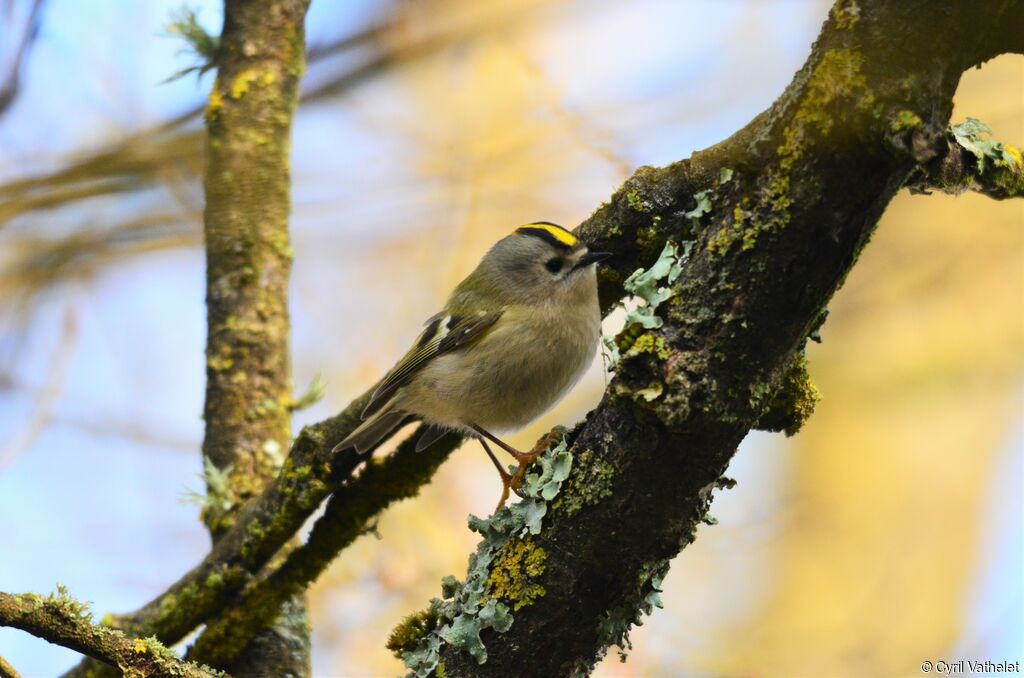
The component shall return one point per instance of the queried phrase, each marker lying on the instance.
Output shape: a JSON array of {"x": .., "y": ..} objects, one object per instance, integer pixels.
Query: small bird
[{"x": 513, "y": 338}]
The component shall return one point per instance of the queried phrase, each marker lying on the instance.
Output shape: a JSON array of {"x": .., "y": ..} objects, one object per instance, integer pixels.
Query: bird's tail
[{"x": 375, "y": 429}]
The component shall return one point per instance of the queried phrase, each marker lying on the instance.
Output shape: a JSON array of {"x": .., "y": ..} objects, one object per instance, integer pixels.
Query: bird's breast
[{"x": 528, "y": 363}]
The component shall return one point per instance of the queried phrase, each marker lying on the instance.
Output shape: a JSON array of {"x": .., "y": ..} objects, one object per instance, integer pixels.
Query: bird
[{"x": 512, "y": 339}]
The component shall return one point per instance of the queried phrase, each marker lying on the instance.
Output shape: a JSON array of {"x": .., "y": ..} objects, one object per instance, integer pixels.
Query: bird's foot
[
  {"x": 514, "y": 482},
  {"x": 527, "y": 458}
]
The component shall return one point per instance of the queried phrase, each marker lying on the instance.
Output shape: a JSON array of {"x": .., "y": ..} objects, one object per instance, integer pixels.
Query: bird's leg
[
  {"x": 506, "y": 478},
  {"x": 524, "y": 458},
  {"x": 521, "y": 457}
]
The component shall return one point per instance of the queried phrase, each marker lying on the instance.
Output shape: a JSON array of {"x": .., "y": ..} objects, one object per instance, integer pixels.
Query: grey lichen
[
  {"x": 649, "y": 288},
  {"x": 614, "y": 626},
  {"x": 653, "y": 285},
  {"x": 975, "y": 136},
  {"x": 703, "y": 207},
  {"x": 468, "y": 607}
]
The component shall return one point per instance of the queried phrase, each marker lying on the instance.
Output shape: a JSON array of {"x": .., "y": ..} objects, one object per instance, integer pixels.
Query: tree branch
[
  {"x": 6, "y": 670},
  {"x": 9, "y": 84},
  {"x": 248, "y": 264},
  {"x": 381, "y": 483},
  {"x": 259, "y": 531},
  {"x": 965, "y": 158},
  {"x": 64, "y": 621}
]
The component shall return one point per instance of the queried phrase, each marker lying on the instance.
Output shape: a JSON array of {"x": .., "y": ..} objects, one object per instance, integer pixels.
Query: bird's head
[{"x": 543, "y": 261}]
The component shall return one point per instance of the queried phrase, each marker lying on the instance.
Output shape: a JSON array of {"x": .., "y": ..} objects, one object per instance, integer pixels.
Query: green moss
[
  {"x": 168, "y": 605},
  {"x": 589, "y": 483},
  {"x": 836, "y": 78},
  {"x": 760, "y": 392},
  {"x": 846, "y": 14},
  {"x": 254, "y": 533},
  {"x": 793, "y": 402},
  {"x": 161, "y": 656},
  {"x": 220, "y": 363},
  {"x": 174, "y": 607},
  {"x": 62, "y": 602},
  {"x": 513, "y": 571},
  {"x": 648, "y": 238},
  {"x": 635, "y": 202},
  {"x": 905, "y": 120},
  {"x": 214, "y": 581},
  {"x": 410, "y": 631},
  {"x": 800, "y": 396}
]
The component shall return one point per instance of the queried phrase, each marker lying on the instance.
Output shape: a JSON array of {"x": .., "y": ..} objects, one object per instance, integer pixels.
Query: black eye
[{"x": 554, "y": 265}]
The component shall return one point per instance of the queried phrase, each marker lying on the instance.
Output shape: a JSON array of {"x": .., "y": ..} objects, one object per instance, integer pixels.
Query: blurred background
[{"x": 889, "y": 531}]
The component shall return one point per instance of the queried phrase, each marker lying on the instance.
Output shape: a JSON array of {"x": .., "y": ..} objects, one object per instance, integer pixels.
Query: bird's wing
[{"x": 444, "y": 333}]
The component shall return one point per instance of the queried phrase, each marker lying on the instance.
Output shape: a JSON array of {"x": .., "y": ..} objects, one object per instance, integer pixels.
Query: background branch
[
  {"x": 346, "y": 517},
  {"x": 6, "y": 670},
  {"x": 248, "y": 263},
  {"x": 62, "y": 620},
  {"x": 10, "y": 80},
  {"x": 965, "y": 158}
]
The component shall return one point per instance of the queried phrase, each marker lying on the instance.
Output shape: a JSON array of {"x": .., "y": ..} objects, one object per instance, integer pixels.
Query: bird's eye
[{"x": 554, "y": 264}]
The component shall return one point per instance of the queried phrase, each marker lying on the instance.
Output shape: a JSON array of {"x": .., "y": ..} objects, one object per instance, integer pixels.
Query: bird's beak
[{"x": 592, "y": 258}]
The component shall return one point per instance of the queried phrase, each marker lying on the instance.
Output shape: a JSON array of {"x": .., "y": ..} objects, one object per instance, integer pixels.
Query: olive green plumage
[{"x": 513, "y": 338}]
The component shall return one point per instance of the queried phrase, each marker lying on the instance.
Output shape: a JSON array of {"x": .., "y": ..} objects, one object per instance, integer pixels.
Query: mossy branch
[
  {"x": 64, "y": 621},
  {"x": 258, "y": 531},
  {"x": 381, "y": 483},
  {"x": 247, "y": 413},
  {"x": 964, "y": 158}
]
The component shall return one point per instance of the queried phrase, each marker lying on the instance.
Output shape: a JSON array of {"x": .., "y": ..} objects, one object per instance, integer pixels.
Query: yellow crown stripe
[{"x": 557, "y": 232}]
